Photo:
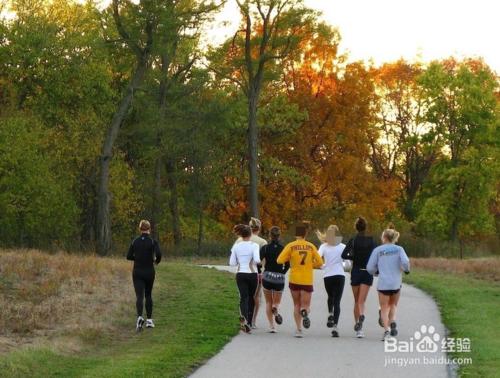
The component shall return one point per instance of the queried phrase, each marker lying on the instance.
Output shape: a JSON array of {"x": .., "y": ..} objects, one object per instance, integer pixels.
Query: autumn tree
[
  {"x": 270, "y": 30},
  {"x": 321, "y": 167},
  {"x": 405, "y": 145}
]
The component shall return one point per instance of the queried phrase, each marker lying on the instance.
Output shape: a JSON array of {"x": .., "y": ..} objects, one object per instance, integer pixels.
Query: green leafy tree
[
  {"x": 463, "y": 107},
  {"x": 57, "y": 67},
  {"x": 36, "y": 203}
]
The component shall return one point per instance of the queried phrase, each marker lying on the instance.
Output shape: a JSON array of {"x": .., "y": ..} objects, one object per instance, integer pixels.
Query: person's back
[
  {"x": 144, "y": 251},
  {"x": 270, "y": 253},
  {"x": 389, "y": 260},
  {"x": 359, "y": 249},
  {"x": 333, "y": 259},
  {"x": 256, "y": 239},
  {"x": 303, "y": 258},
  {"x": 245, "y": 254}
]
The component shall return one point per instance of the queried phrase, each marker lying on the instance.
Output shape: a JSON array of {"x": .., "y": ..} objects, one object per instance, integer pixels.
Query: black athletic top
[
  {"x": 359, "y": 249},
  {"x": 270, "y": 252},
  {"x": 144, "y": 251}
]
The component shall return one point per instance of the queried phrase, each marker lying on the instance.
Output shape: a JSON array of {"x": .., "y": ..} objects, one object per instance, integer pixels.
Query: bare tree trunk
[
  {"x": 253, "y": 138},
  {"x": 174, "y": 201},
  {"x": 156, "y": 209},
  {"x": 103, "y": 196},
  {"x": 200, "y": 228},
  {"x": 162, "y": 108}
]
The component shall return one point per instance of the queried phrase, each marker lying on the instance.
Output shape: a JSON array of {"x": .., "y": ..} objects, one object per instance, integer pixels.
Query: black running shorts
[
  {"x": 361, "y": 276},
  {"x": 272, "y": 286},
  {"x": 389, "y": 292}
]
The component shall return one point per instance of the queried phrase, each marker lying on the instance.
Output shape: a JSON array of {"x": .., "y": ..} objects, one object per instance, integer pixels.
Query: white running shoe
[
  {"x": 139, "y": 323},
  {"x": 386, "y": 335},
  {"x": 360, "y": 334},
  {"x": 272, "y": 330},
  {"x": 298, "y": 334},
  {"x": 335, "y": 332},
  {"x": 149, "y": 323}
]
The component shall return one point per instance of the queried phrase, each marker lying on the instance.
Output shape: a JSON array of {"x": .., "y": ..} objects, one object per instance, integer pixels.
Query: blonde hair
[
  {"x": 255, "y": 224},
  {"x": 144, "y": 225},
  {"x": 391, "y": 235},
  {"x": 330, "y": 236}
]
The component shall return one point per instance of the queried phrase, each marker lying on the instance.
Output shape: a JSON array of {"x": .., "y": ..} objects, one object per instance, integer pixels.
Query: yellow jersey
[{"x": 303, "y": 257}]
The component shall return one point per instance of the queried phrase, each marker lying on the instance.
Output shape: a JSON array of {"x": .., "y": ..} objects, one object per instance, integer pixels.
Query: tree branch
[{"x": 123, "y": 32}]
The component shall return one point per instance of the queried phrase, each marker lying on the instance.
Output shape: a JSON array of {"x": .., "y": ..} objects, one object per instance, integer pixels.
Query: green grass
[
  {"x": 469, "y": 308},
  {"x": 187, "y": 301}
]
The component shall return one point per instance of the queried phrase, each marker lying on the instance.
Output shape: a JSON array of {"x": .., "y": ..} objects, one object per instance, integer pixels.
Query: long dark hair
[
  {"x": 360, "y": 224},
  {"x": 242, "y": 230}
]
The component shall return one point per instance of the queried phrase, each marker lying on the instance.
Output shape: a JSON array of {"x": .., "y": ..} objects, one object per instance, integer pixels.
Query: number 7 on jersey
[{"x": 303, "y": 254}]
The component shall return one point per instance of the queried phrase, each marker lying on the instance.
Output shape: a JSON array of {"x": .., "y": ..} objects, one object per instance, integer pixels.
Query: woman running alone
[
  {"x": 273, "y": 279},
  {"x": 334, "y": 277},
  {"x": 303, "y": 258},
  {"x": 359, "y": 249},
  {"x": 389, "y": 260},
  {"x": 245, "y": 255},
  {"x": 145, "y": 253}
]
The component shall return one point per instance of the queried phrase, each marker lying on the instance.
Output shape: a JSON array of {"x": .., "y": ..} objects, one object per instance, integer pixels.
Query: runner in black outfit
[
  {"x": 274, "y": 273},
  {"x": 359, "y": 249},
  {"x": 145, "y": 252}
]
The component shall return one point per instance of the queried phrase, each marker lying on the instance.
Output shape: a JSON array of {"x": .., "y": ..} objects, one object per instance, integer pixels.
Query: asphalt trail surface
[{"x": 262, "y": 354}]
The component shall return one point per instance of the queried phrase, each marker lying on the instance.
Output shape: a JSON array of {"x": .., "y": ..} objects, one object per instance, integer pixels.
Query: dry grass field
[
  {"x": 59, "y": 298},
  {"x": 481, "y": 268}
]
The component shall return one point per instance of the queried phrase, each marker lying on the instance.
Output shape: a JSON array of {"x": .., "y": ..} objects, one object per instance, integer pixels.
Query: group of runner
[{"x": 261, "y": 264}]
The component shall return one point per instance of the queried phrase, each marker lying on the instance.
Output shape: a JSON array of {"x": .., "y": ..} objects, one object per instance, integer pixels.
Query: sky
[{"x": 386, "y": 30}]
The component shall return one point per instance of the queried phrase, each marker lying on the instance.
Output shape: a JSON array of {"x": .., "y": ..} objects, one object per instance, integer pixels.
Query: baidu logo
[
  {"x": 427, "y": 340},
  {"x": 424, "y": 342}
]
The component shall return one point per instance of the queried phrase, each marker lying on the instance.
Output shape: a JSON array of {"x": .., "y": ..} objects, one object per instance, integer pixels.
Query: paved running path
[{"x": 318, "y": 354}]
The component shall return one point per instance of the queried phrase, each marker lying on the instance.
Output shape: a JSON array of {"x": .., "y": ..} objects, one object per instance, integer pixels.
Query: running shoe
[
  {"x": 335, "y": 333},
  {"x": 272, "y": 330},
  {"x": 149, "y": 323},
  {"x": 386, "y": 335},
  {"x": 380, "y": 322},
  {"x": 277, "y": 317},
  {"x": 329, "y": 322},
  {"x": 298, "y": 334},
  {"x": 306, "y": 322},
  {"x": 244, "y": 325},
  {"x": 359, "y": 325},
  {"x": 139, "y": 324},
  {"x": 360, "y": 334},
  {"x": 394, "y": 331}
]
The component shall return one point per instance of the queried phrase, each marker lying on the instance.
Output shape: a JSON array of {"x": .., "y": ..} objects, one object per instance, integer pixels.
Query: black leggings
[
  {"x": 247, "y": 285},
  {"x": 334, "y": 286},
  {"x": 143, "y": 285}
]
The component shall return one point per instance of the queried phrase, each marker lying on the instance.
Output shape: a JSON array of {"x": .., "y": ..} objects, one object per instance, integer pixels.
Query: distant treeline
[{"x": 112, "y": 115}]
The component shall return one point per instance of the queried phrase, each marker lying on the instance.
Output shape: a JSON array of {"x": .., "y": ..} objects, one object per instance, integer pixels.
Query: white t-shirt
[
  {"x": 245, "y": 254},
  {"x": 333, "y": 259},
  {"x": 256, "y": 239}
]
